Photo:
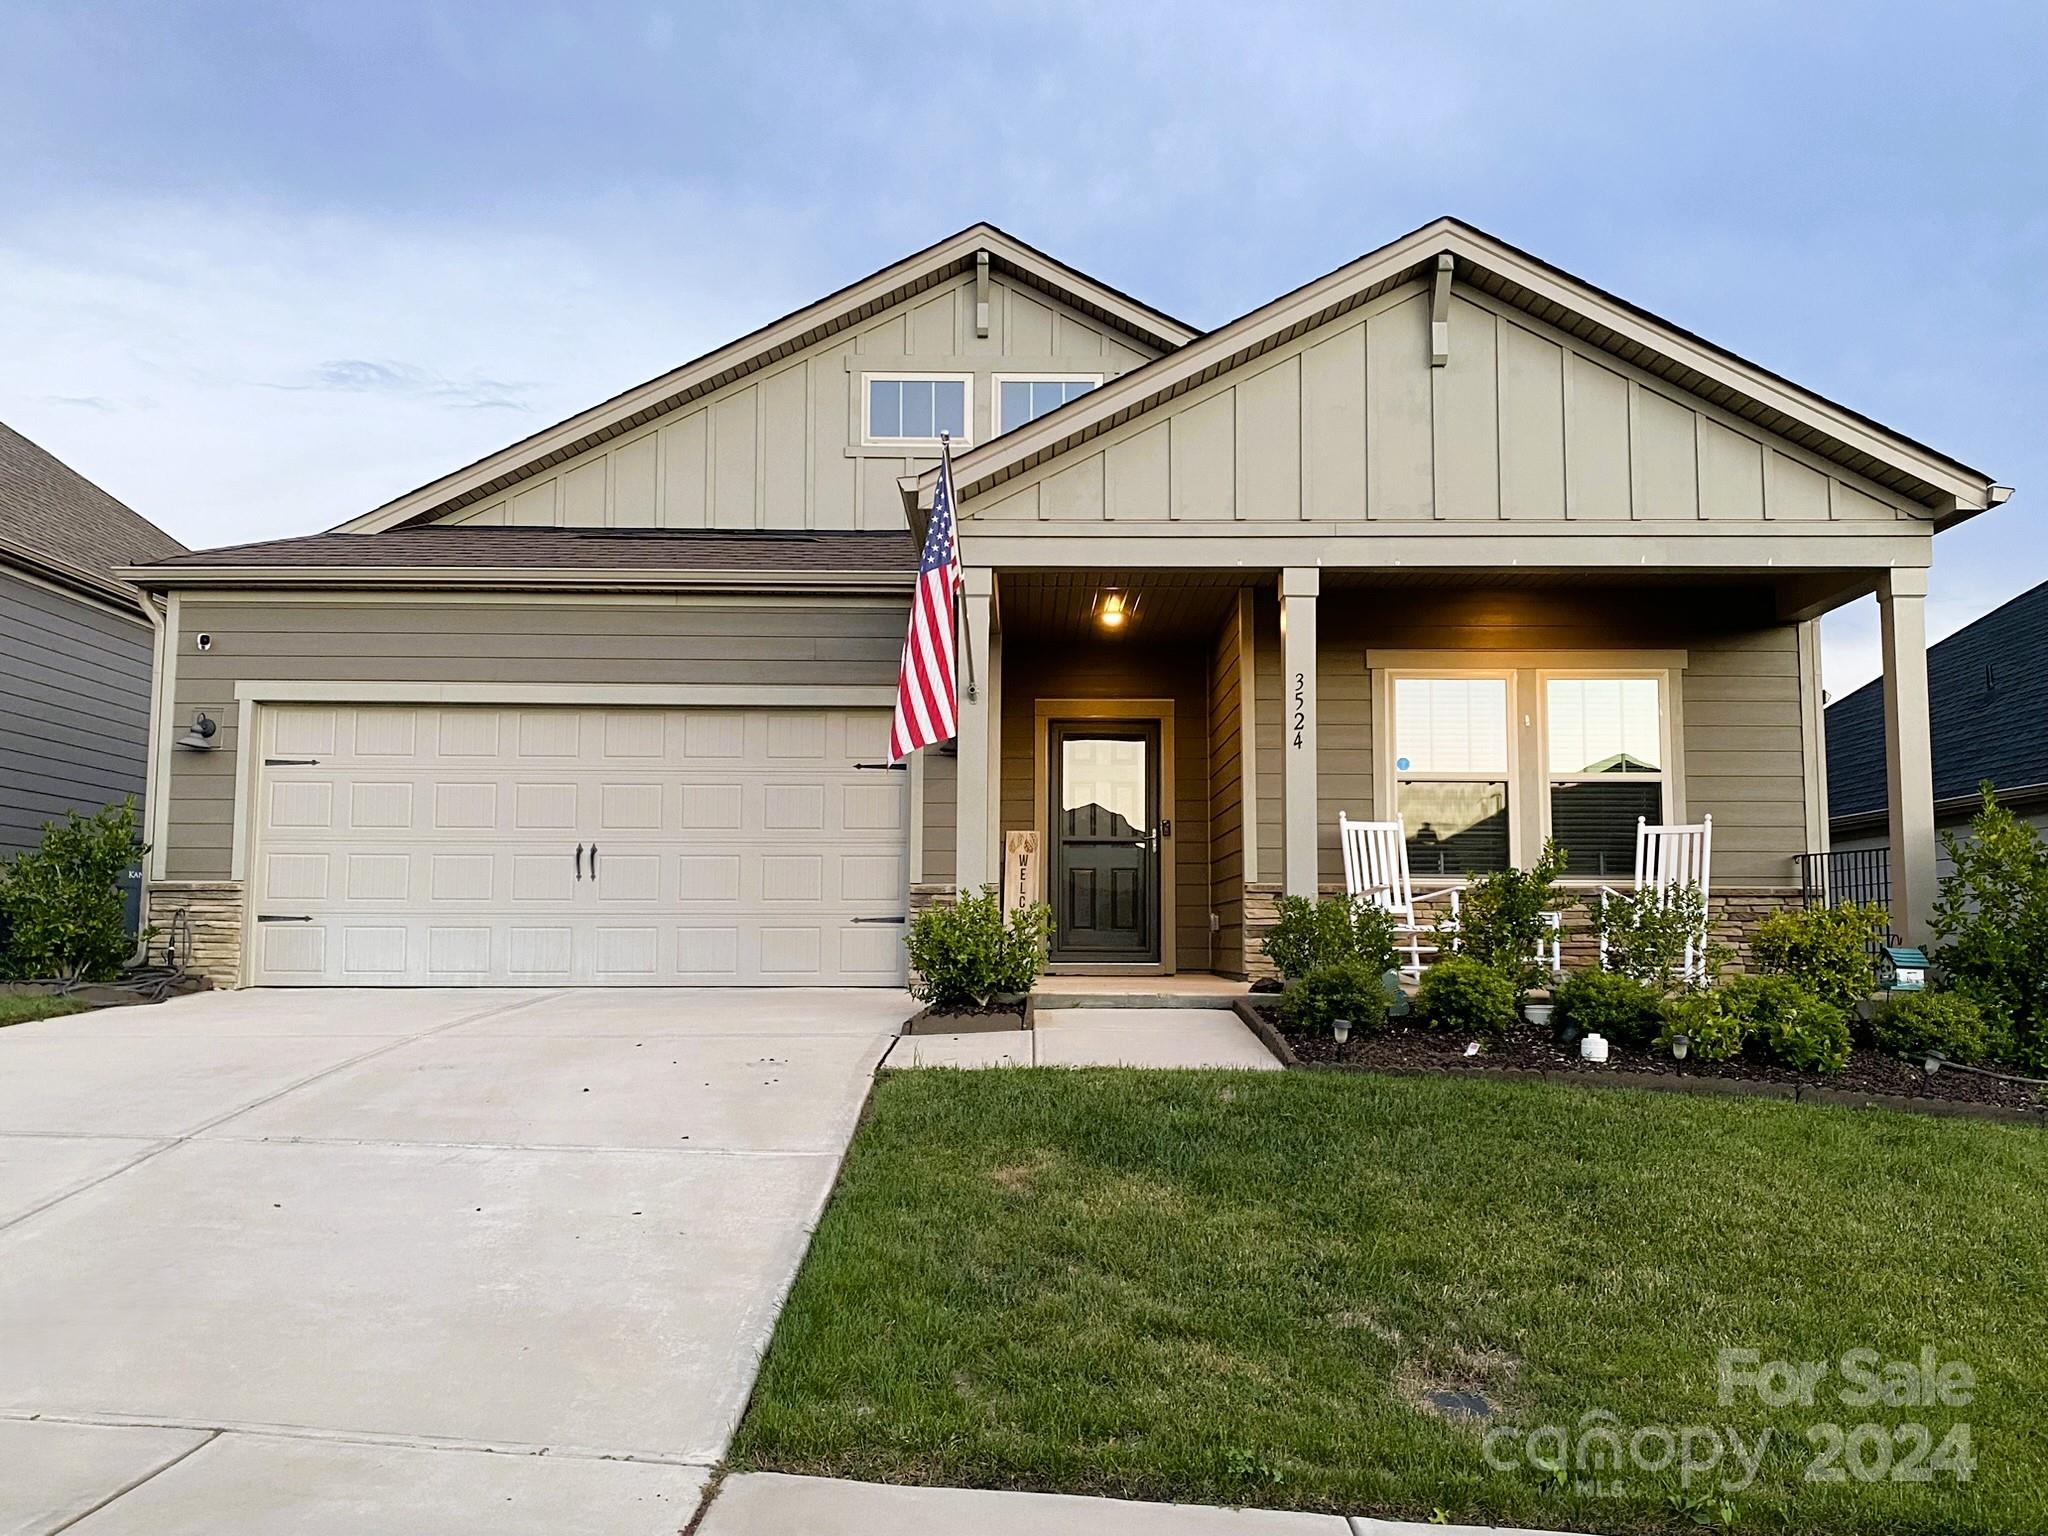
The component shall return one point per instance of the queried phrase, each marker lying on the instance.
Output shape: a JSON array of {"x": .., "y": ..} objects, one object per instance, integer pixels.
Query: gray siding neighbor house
[
  {"x": 1987, "y": 688},
  {"x": 1446, "y": 537},
  {"x": 76, "y": 646}
]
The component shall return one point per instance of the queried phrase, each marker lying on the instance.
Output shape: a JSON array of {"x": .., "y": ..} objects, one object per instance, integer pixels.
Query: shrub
[
  {"x": 1915, "y": 1024},
  {"x": 1464, "y": 994},
  {"x": 1501, "y": 918},
  {"x": 61, "y": 903},
  {"x": 1349, "y": 989},
  {"x": 1647, "y": 933},
  {"x": 1827, "y": 950},
  {"x": 1315, "y": 935},
  {"x": 1788, "y": 1023},
  {"x": 1992, "y": 911},
  {"x": 1623, "y": 1009},
  {"x": 966, "y": 954},
  {"x": 1712, "y": 1032}
]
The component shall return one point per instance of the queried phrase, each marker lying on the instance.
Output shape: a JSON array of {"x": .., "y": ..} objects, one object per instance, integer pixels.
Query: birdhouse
[{"x": 1900, "y": 969}]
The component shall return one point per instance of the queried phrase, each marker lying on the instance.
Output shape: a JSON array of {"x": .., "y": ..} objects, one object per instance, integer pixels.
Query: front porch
[{"x": 1184, "y": 766}]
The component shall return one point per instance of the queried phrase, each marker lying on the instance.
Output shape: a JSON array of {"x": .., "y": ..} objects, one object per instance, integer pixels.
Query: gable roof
[
  {"x": 59, "y": 524},
  {"x": 1987, "y": 690},
  {"x": 444, "y": 556},
  {"x": 1856, "y": 442},
  {"x": 834, "y": 313}
]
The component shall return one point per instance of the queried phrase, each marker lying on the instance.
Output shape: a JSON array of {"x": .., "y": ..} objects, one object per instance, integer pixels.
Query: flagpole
[{"x": 963, "y": 647}]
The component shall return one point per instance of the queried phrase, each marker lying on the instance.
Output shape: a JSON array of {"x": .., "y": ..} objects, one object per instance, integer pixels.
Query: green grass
[
  {"x": 1234, "y": 1288},
  {"x": 20, "y": 1007}
]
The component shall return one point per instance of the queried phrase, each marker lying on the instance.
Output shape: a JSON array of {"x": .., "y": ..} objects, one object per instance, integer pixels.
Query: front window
[
  {"x": 1452, "y": 773},
  {"x": 1021, "y": 398},
  {"x": 1605, "y": 768},
  {"x": 902, "y": 408}
]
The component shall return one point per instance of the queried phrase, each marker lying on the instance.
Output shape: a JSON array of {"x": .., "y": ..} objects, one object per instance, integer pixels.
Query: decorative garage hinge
[
  {"x": 291, "y": 762},
  {"x": 881, "y": 919},
  {"x": 885, "y": 767},
  {"x": 271, "y": 917}
]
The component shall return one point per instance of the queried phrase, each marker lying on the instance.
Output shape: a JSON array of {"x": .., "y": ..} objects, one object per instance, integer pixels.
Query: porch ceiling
[{"x": 1173, "y": 605}]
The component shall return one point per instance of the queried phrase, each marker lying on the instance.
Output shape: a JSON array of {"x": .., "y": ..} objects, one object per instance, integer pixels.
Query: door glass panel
[{"x": 1103, "y": 788}]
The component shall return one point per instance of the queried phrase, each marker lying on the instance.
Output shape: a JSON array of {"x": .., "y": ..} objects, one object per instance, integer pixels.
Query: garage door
[{"x": 427, "y": 846}]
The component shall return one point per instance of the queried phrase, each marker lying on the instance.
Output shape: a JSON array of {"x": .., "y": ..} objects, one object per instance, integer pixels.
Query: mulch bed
[
  {"x": 970, "y": 1019},
  {"x": 1870, "y": 1077}
]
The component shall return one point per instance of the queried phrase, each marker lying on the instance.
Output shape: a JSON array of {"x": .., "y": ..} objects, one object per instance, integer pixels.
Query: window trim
[
  {"x": 1528, "y": 744},
  {"x": 1388, "y": 780},
  {"x": 914, "y": 376},
  {"x": 997, "y": 427},
  {"x": 1666, "y": 777}
]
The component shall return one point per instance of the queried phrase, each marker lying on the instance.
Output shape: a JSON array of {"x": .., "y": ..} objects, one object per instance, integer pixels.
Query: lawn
[
  {"x": 20, "y": 1007},
  {"x": 1288, "y": 1289}
]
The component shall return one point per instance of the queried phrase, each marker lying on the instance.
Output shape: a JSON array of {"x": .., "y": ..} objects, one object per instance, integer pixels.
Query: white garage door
[{"x": 428, "y": 846}]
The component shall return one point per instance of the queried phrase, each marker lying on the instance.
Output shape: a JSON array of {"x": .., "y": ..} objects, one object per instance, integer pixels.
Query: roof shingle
[{"x": 49, "y": 510}]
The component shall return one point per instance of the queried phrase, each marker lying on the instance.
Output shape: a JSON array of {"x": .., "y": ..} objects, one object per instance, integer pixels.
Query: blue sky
[{"x": 264, "y": 265}]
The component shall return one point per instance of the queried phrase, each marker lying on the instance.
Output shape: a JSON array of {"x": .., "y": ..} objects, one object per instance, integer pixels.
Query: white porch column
[
  {"x": 1298, "y": 588},
  {"x": 974, "y": 861},
  {"x": 1908, "y": 752}
]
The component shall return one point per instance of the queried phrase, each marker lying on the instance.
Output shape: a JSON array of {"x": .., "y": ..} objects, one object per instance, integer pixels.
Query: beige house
[{"x": 1446, "y": 536}]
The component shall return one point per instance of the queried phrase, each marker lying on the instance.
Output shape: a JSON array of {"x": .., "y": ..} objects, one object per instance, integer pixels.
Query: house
[
  {"x": 76, "y": 644},
  {"x": 1446, "y": 535},
  {"x": 1988, "y": 703}
]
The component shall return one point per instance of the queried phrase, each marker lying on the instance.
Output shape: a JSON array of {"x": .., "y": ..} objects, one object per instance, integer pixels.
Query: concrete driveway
[{"x": 374, "y": 1262}]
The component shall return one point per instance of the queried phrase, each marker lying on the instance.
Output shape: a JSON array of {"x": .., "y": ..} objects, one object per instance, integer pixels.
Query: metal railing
[{"x": 1854, "y": 874}]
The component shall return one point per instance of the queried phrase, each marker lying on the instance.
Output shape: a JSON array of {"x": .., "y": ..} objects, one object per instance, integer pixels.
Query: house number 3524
[{"x": 1300, "y": 707}]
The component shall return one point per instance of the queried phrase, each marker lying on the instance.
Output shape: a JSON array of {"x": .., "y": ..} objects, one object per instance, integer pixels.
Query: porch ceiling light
[{"x": 1113, "y": 607}]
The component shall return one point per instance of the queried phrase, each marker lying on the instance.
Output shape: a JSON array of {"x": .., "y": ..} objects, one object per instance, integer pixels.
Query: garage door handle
[
  {"x": 593, "y": 861},
  {"x": 579, "y": 861}
]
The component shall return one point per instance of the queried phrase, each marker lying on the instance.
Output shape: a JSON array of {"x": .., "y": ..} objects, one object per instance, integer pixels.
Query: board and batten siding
[
  {"x": 783, "y": 449},
  {"x": 74, "y": 708},
  {"x": 1524, "y": 425},
  {"x": 673, "y": 642},
  {"x": 1741, "y": 699}
]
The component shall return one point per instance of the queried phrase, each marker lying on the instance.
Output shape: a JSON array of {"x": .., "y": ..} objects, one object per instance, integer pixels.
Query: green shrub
[
  {"x": 63, "y": 910},
  {"x": 1349, "y": 989},
  {"x": 1501, "y": 918},
  {"x": 1827, "y": 950},
  {"x": 966, "y": 954},
  {"x": 1464, "y": 994},
  {"x": 1315, "y": 935},
  {"x": 1788, "y": 1023},
  {"x": 1992, "y": 911},
  {"x": 1712, "y": 1032},
  {"x": 1621, "y": 1008},
  {"x": 1647, "y": 934},
  {"x": 1915, "y": 1024}
]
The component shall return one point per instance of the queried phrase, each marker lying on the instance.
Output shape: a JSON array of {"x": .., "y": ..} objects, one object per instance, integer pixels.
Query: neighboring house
[
  {"x": 1988, "y": 700},
  {"x": 76, "y": 644},
  {"x": 1447, "y": 536}
]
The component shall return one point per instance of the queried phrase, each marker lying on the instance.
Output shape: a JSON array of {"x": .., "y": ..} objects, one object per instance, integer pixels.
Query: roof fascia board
[
  {"x": 1963, "y": 489},
  {"x": 777, "y": 340},
  {"x": 513, "y": 578},
  {"x": 64, "y": 574}
]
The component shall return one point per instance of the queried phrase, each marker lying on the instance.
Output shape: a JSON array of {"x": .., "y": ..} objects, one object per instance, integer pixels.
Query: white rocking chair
[
  {"x": 1376, "y": 868},
  {"x": 1669, "y": 858}
]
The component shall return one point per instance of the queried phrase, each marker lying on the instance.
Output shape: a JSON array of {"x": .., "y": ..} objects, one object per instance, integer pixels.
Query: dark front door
[{"x": 1105, "y": 842}]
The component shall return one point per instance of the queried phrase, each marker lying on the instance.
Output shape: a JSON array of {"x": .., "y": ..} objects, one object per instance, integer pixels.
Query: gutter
[
  {"x": 158, "y": 578},
  {"x": 1879, "y": 820}
]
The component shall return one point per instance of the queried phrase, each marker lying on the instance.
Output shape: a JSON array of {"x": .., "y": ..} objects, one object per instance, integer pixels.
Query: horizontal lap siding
[
  {"x": 941, "y": 816},
  {"x": 1226, "y": 793},
  {"x": 74, "y": 708},
  {"x": 1745, "y": 754},
  {"x": 510, "y": 642}
]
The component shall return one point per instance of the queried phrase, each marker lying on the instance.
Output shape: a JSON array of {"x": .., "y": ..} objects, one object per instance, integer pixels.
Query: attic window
[
  {"x": 916, "y": 408},
  {"x": 1022, "y": 397}
]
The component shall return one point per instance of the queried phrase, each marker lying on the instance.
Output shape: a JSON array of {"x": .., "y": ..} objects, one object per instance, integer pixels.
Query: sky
[{"x": 266, "y": 265}]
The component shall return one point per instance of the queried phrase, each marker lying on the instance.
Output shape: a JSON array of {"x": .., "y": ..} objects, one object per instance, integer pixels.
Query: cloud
[
  {"x": 363, "y": 376},
  {"x": 87, "y": 402}
]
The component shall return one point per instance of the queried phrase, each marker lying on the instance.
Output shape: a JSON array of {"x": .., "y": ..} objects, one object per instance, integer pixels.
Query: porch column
[
  {"x": 1298, "y": 588},
  {"x": 1908, "y": 752},
  {"x": 974, "y": 861}
]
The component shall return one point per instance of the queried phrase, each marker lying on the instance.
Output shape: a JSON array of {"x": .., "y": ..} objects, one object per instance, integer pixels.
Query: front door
[{"x": 1105, "y": 842}]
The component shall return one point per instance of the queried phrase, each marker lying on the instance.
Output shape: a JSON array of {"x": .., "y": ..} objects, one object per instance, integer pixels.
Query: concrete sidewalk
[
  {"x": 1098, "y": 1037},
  {"x": 771, "y": 1504}
]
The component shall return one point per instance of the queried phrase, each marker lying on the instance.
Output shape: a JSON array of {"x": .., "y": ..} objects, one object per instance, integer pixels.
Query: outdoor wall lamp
[
  {"x": 1113, "y": 608},
  {"x": 200, "y": 737}
]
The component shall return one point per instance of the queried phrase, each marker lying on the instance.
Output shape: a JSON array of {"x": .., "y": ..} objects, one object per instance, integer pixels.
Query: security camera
[{"x": 204, "y": 642}]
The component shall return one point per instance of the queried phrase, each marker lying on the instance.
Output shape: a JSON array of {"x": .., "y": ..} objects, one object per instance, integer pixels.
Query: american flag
[{"x": 925, "y": 696}]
